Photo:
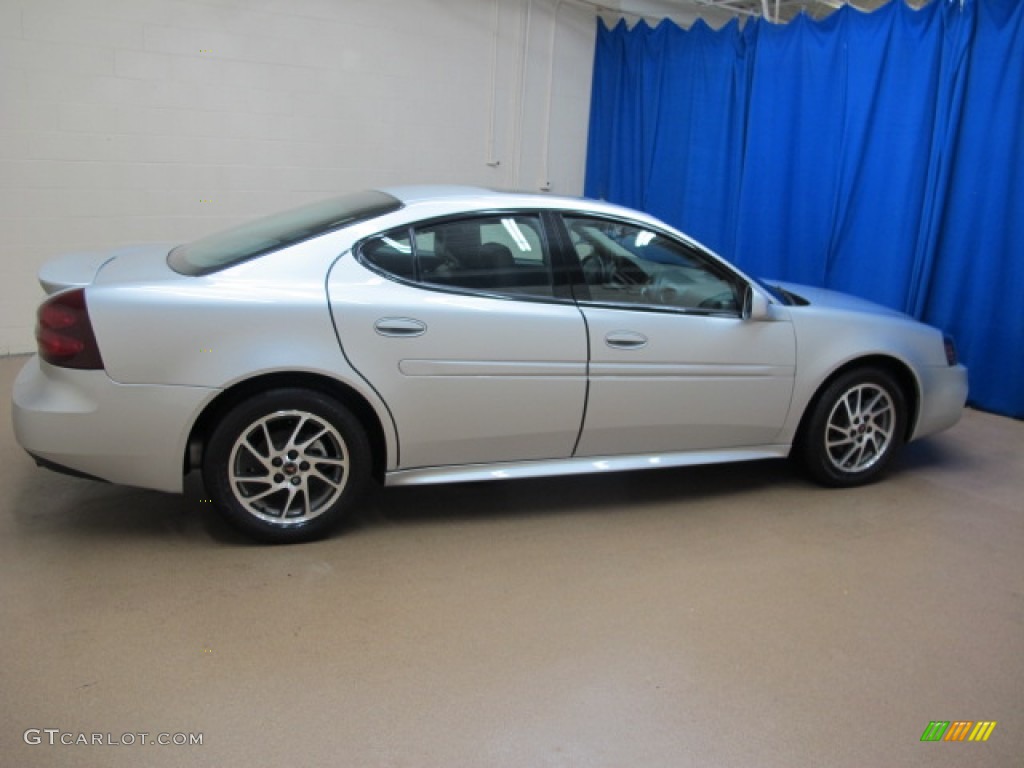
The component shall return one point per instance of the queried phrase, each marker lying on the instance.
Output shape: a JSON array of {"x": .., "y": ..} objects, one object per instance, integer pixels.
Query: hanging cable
[
  {"x": 545, "y": 182},
  {"x": 493, "y": 161},
  {"x": 521, "y": 112}
]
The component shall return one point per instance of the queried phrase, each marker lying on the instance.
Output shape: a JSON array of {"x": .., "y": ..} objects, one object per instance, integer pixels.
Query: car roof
[
  {"x": 476, "y": 198},
  {"x": 421, "y": 192}
]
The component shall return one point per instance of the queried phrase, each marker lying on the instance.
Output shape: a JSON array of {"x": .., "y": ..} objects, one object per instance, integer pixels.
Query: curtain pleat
[{"x": 875, "y": 153}]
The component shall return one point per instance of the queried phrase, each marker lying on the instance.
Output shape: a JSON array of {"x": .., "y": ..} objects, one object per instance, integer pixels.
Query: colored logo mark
[{"x": 958, "y": 730}]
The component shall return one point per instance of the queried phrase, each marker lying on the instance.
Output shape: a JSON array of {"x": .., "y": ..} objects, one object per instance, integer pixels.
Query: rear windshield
[{"x": 255, "y": 238}]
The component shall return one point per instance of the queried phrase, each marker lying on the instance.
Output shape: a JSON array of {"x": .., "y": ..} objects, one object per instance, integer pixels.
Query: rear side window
[
  {"x": 503, "y": 254},
  {"x": 391, "y": 253},
  {"x": 255, "y": 238}
]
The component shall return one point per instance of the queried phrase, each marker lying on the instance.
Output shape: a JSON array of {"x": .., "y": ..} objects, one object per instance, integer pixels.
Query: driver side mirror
[{"x": 755, "y": 304}]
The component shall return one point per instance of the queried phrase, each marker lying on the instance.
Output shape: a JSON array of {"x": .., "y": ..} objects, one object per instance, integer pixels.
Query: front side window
[
  {"x": 626, "y": 263},
  {"x": 503, "y": 254}
]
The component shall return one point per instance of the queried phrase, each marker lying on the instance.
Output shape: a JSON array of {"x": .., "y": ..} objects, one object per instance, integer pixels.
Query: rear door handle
[
  {"x": 401, "y": 327},
  {"x": 625, "y": 340}
]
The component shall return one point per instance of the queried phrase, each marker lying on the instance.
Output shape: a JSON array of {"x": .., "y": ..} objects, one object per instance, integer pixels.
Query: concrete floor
[{"x": 725, "y": 616}]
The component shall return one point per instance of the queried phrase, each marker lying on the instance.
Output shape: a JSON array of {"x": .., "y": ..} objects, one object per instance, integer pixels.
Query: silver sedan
[{"x": 441, "y": 334}]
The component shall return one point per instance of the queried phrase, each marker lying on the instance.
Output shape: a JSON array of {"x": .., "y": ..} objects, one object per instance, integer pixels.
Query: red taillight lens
[
  {"x": 64, "y": 332},
  {"x": 57, "y": 316}
]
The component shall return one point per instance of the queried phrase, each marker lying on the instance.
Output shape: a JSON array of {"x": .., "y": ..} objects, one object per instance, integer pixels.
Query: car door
[
  {"x": 459, "y": 327},
  {"x": 673, "y": 365}
]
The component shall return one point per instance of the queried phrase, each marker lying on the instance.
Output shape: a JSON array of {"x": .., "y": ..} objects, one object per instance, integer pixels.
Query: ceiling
[
  {"x": 784, "y": 10},
  {"x": 717, "y": 12}
]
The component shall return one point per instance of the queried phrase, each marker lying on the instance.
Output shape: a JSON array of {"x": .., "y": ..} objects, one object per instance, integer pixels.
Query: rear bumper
[
  {"x": 86, "y": 423},
  {"x": 943, "y": 396}
]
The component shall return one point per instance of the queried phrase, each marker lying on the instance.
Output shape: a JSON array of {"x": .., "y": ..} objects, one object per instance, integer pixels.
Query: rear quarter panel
[{"x": 263, "y": 316}]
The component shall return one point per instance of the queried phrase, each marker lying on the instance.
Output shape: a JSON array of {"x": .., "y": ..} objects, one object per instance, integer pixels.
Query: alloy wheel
[
  {"x": 288, "y": 467},
  {"x": 860, "y": 428}
]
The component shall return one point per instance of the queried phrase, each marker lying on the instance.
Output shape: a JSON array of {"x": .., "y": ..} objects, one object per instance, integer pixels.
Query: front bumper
[
  {"x": 131, "y": 434},
  {"x": 943, "y": 396}
]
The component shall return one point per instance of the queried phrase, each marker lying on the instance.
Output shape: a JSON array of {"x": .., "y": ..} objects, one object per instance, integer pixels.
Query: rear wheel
[
  {"x": 286, "y": 465},
  {"x": 855, "y": 427}
]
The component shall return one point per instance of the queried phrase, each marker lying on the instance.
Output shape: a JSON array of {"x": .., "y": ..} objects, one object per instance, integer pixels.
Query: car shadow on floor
[
  {"x": 935, "y": 453},
  {"x": 44, "y": 501},
  {"x": 571, "y": 494}
]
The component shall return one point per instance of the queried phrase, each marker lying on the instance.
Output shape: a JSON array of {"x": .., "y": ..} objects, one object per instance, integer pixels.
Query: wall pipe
[
  {"x": 545, "y": 182},
  {"x": 521, "y": 112},
  {"x": 493, "y": 161}
]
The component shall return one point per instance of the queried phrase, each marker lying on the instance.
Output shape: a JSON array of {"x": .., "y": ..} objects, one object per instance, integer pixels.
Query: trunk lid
[{"x": 130, "y": 263}]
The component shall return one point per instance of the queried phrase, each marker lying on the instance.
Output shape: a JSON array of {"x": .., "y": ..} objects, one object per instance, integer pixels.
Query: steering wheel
[
  {"x": 724, "y": 300},
  {"x": 594, "y": 269},
  {"x": 661, "y": 291}
]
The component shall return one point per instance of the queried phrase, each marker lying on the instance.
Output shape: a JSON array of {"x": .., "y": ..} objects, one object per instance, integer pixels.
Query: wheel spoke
[
  {"x": 314, "y": 472},
  {"x": 877, "y": 404},
  {"x": 294, "y": 492},
  {"x": 286, "y": 508},
  {"x": 853, "y": 409},
  {"x": 880, "y": 420},
  {"x": 316, "y": 460},
  {"x": 235, "y": 477},
  {"x": 305, "y": 498},
  {"x": 843, "y": 462},
  {"x": 302, "y": 446},
  {"x": 271, "y": 490},
  {"x": 860, "y": 456},
  {"x": 296, "y": 431},
  {"x": 263, "y": 460},
  {"x": 845, "y": 440},
  {"x": 848, "y": 408},
  {"x": 266, "y": 436}
]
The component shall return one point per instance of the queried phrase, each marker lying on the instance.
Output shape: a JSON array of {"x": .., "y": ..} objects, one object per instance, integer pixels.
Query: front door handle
[
  {"x": 400, "y": 327},
  {"x": 625, "y": 340}
]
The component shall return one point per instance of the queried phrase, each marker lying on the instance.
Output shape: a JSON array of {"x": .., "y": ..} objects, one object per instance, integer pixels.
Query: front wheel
[
  {"x": 286, "y": 465},
  {"x": 855, "y": 427}
]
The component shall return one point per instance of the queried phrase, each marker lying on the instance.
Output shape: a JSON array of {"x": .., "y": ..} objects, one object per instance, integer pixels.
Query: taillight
[{"x": 64, "y": 332}]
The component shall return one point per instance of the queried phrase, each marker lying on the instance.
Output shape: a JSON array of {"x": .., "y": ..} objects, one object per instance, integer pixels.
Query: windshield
[{"x": 255, "y": 238}]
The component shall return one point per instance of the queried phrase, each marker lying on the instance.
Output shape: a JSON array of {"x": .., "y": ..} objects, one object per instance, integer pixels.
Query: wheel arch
[
  {"x": 236, "y": 393},
  {"x": 898, "y": 369}
]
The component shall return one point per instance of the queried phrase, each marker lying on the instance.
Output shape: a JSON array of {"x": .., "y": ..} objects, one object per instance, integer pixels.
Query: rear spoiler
[
  {"x": 79, "y": 270},
  {"x": 72, "y": 270}
]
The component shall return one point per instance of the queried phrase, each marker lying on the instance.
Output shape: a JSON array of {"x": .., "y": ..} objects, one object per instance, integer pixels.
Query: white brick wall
[{"x": 119, "y": 117}]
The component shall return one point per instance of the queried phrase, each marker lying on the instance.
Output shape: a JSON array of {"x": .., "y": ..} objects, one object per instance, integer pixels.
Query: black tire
[
  {"x": 854, "y": 428},
  {"x": 286, "y": 465}
]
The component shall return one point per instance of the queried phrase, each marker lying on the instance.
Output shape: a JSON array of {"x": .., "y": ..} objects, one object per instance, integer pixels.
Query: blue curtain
[
  {"x": 879, "y": 154},
  {"x": 974, "y": 283}
]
